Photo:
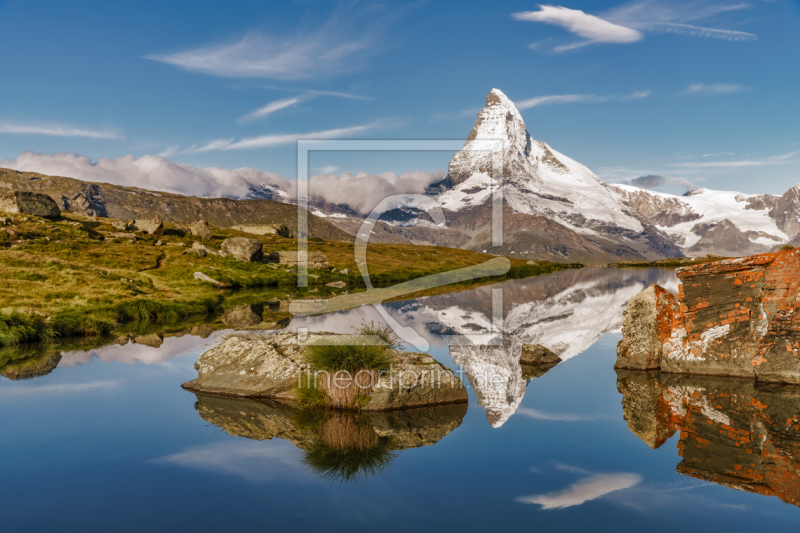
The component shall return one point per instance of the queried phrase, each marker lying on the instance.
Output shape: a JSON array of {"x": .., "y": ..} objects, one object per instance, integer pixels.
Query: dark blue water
[{"x": 110, "y": 442}]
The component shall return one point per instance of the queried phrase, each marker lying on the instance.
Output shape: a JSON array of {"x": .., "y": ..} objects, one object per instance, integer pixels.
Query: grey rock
[
  {"x": 29, "y": 203},
  {"x": 336, "y": 284},
  {"x": 243, "y": 249},
  {"x": 154, "y": 340}
]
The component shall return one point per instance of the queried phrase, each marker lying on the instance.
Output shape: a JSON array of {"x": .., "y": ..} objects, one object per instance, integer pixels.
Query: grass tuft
[{"x": 17, "y": 328}]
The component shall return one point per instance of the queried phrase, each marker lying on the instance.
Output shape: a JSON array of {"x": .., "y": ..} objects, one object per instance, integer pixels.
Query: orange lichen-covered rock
[
  {"x": 737, "y": 317},
  {"x": 734, "y": 432}
]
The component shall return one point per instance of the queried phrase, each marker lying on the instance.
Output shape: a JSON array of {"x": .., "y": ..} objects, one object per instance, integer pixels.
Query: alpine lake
[{"x": 105, "y": 438}]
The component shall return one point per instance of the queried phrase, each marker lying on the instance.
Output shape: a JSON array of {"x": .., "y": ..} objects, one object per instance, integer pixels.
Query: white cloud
[
  {"x": 556, "y": 99},
  {"x": 56, "y": 131},
  {"x": 593, "y": 29},
  {"x": 577, "y": 98},
  {"x": 360, "y": 191},
  {"x": 132, "y": 353},
  {"x": 363, "y": 191},
  {"x": 255, "y": 461},
  {"x": 638, "y": 95},
  {"x": 715, "y": 88},
  {"x": 587, "y": 489},
  {"x": 267, "y": 141},
  {"x": 272, "y": 107},
  {"x": 148, "y": 172}
]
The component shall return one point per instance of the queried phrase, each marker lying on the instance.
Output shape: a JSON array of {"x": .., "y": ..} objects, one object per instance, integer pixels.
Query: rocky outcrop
[
  {"x": 737, "y": 317},
  {"x": 735, "y": 432},
  {"x": 243, "y": 249},
  {"x": 151, "y": 226},
  {"x": 29, "y": 203},
  {"x": 313, "y": 259},
  {"x": 646, "y": 325},
  {"x": 276, "y": 366}
]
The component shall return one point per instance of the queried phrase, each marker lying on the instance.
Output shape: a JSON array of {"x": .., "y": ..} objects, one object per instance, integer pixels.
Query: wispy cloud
[
  {"x": 309, "y": 51},
  {"x": 593, "y": 29},
  {"x": 577, "y": 98},
  {"x": 589, "y": 488},
  {"x": 58, "y": 389},
  {"x": 56, "y": 131},
  {"x": 255, "y": 461},
  {"x": 629, "y": 22},
  {"x": 776, "y": 160},
  {"x": 560, "y": 417},
  {"x": 653, "y": 181},
  {"x": 728, "y": 35},
  {"x": 267, "y": 141},
  {"x": 714, "y": 88},
  {"x": 285, "y": 103},
  {"x": 272, "y": 107}
]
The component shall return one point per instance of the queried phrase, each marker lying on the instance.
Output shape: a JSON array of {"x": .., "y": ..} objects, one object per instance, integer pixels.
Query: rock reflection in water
[
  {"x": 26, "y": 362},
  {"x": 734, "y": 432},
  {"x": 336, "y": 445}
]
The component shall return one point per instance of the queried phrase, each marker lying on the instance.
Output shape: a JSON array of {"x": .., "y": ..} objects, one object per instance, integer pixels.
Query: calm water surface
[{"x": 108, "y": 441}]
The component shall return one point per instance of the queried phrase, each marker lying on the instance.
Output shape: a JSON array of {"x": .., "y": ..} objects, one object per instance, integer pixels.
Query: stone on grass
[
  {"x": 243, "y": 249},
  {"x": 201, "y": 229},
  {"x": 29, "y": 203},
  {"x": 151, "y": 226}
]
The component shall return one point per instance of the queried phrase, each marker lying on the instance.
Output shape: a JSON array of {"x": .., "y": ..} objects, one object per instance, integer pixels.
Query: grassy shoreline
[{"x": 71, "y": 277}]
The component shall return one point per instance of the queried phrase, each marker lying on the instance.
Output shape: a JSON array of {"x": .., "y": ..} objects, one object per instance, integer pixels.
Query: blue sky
[{"x": 700, "y": 92}]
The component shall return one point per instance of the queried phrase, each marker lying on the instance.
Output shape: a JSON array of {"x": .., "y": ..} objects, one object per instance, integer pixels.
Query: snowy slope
[
  {"x": 749, "y": 217},
  {"x": 537, "y": 180}
]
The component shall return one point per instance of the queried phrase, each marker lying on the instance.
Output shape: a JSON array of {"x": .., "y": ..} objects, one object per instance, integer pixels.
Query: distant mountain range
[{"x": 554, "y": 207}]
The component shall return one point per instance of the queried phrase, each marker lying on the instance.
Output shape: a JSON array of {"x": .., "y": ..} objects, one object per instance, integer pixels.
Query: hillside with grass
[{"x": 75, "y": 275}]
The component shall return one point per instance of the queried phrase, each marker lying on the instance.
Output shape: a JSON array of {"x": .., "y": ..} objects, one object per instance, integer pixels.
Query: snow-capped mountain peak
[{"x": 538, "y": 181}]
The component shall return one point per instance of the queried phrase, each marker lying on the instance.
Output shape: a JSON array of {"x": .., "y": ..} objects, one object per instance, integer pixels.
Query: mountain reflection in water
[
  {"x": 734, "y": 432},
  {"x": 565, "y": 312},
  {"x": 336, "y": 445}
]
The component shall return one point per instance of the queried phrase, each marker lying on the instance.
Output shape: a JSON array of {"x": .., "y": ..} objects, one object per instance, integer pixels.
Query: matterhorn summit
[{"x": 555, "y": 208}]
